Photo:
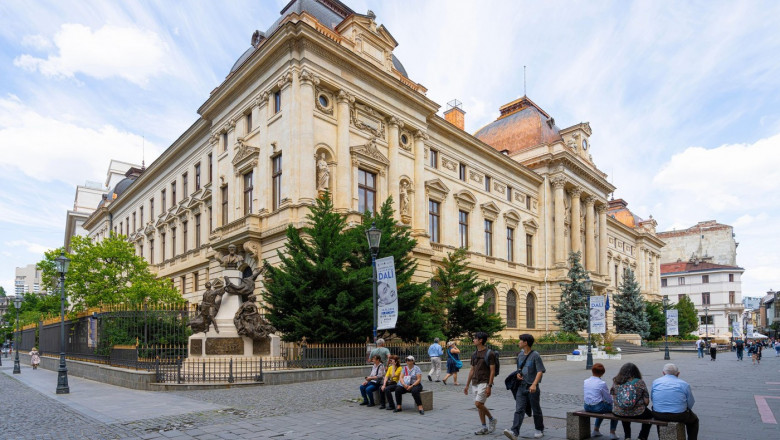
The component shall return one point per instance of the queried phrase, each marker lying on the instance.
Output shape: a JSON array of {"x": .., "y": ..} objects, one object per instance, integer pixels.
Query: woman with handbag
[
  {"x": 371, "y": 383},
  {"x": 392, "y": 377},
  {"x": 454, "y": 364}
]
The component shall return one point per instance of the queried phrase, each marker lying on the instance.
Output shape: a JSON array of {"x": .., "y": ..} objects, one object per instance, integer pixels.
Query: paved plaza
[{"x": 734, "y": 400}]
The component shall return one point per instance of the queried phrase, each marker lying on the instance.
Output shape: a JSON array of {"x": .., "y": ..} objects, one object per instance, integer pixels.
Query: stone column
[
  {"x": 603, "y": 264},
  {"x": 307, "y": 171},
  {"x": 392, "y": 173},
  {"x": 558, "y": 183},
  {"x": 343, "y": 197},
  {"x": 418, "y": 214},
  {"x": 640, "y": 269},
  {"x": 576, "y": 238},
  {"x": 590, "y": 242},
  {"x": 263, "y": 168}
]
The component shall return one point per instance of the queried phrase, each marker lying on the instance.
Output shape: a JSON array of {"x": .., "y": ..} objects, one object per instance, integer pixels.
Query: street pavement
[{"x": 734, "y": 400}]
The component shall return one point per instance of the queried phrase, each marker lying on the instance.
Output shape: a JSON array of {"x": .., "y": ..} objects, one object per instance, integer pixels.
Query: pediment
[
  {"x": 245, "y": 153},
  {"x": 371, "y": 152},
  {"x": 436, "y": 189},
  {"x": 531, "y": 226},
  {"x": 512, "y": 218},
  {"x": 466, "y": 200},
  {"x": 149, "y": 229},
  {"x": 490, "y": 210}
]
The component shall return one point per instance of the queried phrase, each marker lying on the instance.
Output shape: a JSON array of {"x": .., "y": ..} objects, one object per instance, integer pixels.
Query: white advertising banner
[
  {"x": 598, "y": 315},
  {"x": 671, "y": 323},
  {"x": 735, "y": 330},
  {"x": 749, "y": 331},
  {"x": 387, "y": 294}
]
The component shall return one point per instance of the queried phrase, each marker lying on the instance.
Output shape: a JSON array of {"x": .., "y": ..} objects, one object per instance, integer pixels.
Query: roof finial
[
  {"x": 524, "y": 92},
  {"x": 143, "y": 152}
]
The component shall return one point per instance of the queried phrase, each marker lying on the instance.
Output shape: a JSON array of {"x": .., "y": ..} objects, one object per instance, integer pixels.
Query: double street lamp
[
  {"x": 588, "y": 287},
  {"x": 374, "y": 235},
  {"x": 18, "y": 305},
  {"x": 666, "y": 329},
  {"x": 62, "y": 262}
]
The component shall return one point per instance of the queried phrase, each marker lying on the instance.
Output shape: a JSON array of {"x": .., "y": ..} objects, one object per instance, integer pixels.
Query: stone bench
[
  {"x": 578, "y": 425},
  {"x": 425, "y": 395}
]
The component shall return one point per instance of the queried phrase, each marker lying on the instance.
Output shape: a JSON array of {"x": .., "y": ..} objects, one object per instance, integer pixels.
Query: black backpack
[{"x": 498, "y": 363}]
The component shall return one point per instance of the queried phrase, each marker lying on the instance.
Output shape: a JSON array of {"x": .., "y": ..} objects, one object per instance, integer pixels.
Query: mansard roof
[
  {"x": 521, "y": 125},
  {"x": 694, "y": 266}
]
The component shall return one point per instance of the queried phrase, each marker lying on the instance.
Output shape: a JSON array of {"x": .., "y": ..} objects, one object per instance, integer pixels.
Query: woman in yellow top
[{"x": 392, "y": 377}]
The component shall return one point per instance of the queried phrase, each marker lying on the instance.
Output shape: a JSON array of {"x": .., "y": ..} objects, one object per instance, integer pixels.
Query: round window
[
  {"x": 404, "y": 139},
  {"x": 324, "y": 101}
]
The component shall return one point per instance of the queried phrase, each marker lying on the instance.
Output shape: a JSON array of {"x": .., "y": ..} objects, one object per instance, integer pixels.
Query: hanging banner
[
  {"x": 735, "y": 330},
  {"x": 749, "y": 331},
  {"x": 598, "y": 315},
  {"x": 671, "y": 323},
  {"x": 387, "y": 294}
]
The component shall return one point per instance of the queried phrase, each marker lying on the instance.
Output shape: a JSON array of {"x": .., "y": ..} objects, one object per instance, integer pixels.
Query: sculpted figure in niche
[
  {"x": 323, "y": 173},
  {"x": 207, "y": 310},
  {"x": 232, "y": 260},
  {"x": 404, "y": 198},
  {"x": 250, "y": 323},
  {"x": 244, "y": 288}
]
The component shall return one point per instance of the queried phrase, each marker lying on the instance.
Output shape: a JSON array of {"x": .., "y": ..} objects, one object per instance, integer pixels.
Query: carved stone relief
[
  {"x": 367, "y": 119},
  {"x": 477, "y": 177}
]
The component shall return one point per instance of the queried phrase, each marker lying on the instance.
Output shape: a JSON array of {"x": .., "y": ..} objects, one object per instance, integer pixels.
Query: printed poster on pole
[
  {"x": 735, "y": 330},
  {"x": 387, "y": 294},
  {"x": 672, "y": 327},
  {"x": 749, "y": 331},
  {"x": 598, "y": 315}
]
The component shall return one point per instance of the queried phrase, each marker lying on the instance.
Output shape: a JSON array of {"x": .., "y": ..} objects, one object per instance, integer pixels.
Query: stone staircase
[{"x": 628, "y": 348}]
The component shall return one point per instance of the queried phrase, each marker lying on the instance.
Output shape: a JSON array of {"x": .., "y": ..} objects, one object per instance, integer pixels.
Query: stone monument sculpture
[
  {"x": 232, "y": 260},
  {"x": 323, "y": 173},
  {"x": 207, "y": 310},
  {"x": 245, "y": 287},
  {"x": 250, "y": 323},
  {"x": 404, "y": 198}
]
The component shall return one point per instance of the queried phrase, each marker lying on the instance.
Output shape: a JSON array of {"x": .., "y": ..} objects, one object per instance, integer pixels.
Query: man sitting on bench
[{"x": 673, "y": 401}]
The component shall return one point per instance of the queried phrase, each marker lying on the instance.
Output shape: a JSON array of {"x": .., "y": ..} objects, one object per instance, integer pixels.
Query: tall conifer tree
[
  {"x": 572, "y": 312},
  {"x": 630, "y": 314},
  {"x": 687, "y": 316}
]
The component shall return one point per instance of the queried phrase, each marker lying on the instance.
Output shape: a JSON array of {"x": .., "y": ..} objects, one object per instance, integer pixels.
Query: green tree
[
  {"x": 34, "y": 307},
  {"x": 630, "y": 315},
  {"x": 106, "y": 272},
  {"x": 572, "y": 312},
  {"x": 413, "y": 320},
  {"x": 687, "y": 317},
  {"x": 311, "y": 293},
  {"x": 454, "y": 300},
  {"x": 655, "y": 317}
]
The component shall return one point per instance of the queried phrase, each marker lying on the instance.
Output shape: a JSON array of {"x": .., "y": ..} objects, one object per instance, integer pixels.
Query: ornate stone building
[{"x": 319, "y": 101}]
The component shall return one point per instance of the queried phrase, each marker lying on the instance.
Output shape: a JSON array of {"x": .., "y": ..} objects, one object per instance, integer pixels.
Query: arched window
[
  {"x": 490, "y": 298},
  {"x": 530, "y": 310},
  {"x": 511, "y": 309}
]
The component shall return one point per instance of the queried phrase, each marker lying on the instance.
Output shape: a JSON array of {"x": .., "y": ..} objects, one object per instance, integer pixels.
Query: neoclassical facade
[{"x": 319, "y": 102}]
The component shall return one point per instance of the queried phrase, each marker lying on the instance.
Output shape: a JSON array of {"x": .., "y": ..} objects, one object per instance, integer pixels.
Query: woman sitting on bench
[
  {"x": 598, "y": 400},
  {"x": 631, "y": 398}
]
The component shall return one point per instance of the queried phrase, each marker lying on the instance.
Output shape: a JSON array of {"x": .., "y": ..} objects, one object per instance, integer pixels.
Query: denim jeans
[
  {"x": 602, "y": 408},
  {"x": 367, "y": 391},
  {"x": 740, "y": 352},
  {"x": 701, "y": 352},
  {"x": 525, "y": 398}
]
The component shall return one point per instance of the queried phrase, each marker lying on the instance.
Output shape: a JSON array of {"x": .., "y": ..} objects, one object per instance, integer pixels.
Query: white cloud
[
  {"x": 49, "y": 149},
  {"x": 36, "y": 42},
  {"x": 111, "y": 51},
  {"x": 31, "y": 247}
]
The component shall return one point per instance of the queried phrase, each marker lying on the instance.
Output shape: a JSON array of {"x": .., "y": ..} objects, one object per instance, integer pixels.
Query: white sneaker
[
  {"x": 482, "y": 431},
  {"x": 509, "y": 434},
  {"x": 595, "y": 434},
  {"x": 492, "y": 425},
  {"x": 539, "y": 434}
]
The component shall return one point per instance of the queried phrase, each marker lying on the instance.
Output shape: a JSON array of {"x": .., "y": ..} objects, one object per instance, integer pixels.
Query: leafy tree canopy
[{"x": 688, "y": 318}]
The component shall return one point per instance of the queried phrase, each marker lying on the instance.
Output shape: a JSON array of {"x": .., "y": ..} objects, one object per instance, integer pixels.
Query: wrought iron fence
[{"x": 190, "y": 370}]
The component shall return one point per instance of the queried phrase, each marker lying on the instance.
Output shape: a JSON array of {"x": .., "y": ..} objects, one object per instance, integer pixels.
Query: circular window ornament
[
  {"x": 324, "y": 101},
  {"x": 584, "y": 144},
  {"x": 404, "y": 139}
]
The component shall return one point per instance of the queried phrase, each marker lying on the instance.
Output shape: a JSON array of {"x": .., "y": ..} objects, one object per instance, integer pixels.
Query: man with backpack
[
  {"x": 529, "y": 374},
  {"x": 484, "y": 366}
]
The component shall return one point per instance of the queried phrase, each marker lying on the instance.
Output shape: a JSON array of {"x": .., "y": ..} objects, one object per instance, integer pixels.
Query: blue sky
[{"x": 683, "y": 97}]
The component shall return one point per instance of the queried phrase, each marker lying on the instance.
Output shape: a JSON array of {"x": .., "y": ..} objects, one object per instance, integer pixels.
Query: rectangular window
[
  {"x": 248, "y": 122},
  {"x": 732, "y": 294},
  {"x": 366, "y": 191},
  {"x": 276, "y": 177},
  {"x": 134, "y": 224},
  {"x": 224, "y": 142},
  {"x": 127, "y": 222},
  {"x": 195, "y": 282},
  {"x": 248, "y": 192},
  {"x": 121, "y": 228},
  {"x": 163, "y": 202},
  {"x": 197, "y": 176},
  {"x": 707, "y": 319},
  {"x": 185, "y": 190},
  {"x": 211, "y": 167},
  {"x": 173, "y": 194},
  {"x": 508, "y": 193},
  {"x": 488, "y": 180},
  {"x": 616, "y": 275},
  {"x": 705, "y": 279},
  {"x": 681, "y": 296},
  {"x": 141, "y": 250},
  {"x": 510, "y": 244},
  {"x": 151, "y": 251},
  {"x": 527, "y": 202},
  {"x": 162, "y": 245},
  {"x": 211, "y": 221},
  {"x": 433, "y": 157},
  {"x": 705, "y": 298},
  {"x": 433, "y": 220},
  {"x": 224, "y": 201},
  {"x": 197, "y": 231},
  {"x": 529, "y": 250},
  {"x": 141, "y": 213},
  {"x": 663, "y": 282},
  {"x": 488, "y": 238},
  {"x": 731, "y": 278},
  {"x": 681, "y": 281},
  {"x": 173, "y": 242},
  {"x": 277, "y": 101},
  {"x": 183, "y": 281},
  {"x": 462, "y": 172},
  {"x": 463, "y": 228},
  {"x": 184, "y": 236}
]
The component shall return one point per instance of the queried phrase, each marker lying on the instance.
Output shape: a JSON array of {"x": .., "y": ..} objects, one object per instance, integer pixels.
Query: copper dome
[{"x": 522, "y": 124}]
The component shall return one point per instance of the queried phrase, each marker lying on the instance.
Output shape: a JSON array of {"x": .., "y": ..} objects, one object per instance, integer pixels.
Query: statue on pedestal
[
  {"x": 245, "y": 287},
  {"x": 250, "y": 323},
  {"x": 207, "y": 310},
  {"x": 323, "y": 173},
  {"x": 232, "y": 260}
]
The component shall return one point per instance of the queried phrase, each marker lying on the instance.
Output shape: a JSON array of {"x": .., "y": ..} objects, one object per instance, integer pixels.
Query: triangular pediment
[
  {"x": 490, "y": 210},
  {"x": 371, "y": 152},
  {"x": 531, "y": 225},
  {"x": 436, "y": 189},
  {"x": 244, "y": 152},
  {"x": 512, "y": 218}
]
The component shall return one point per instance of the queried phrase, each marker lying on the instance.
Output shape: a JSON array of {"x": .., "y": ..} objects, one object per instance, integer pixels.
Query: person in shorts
[{"x": 483, "y": 371}]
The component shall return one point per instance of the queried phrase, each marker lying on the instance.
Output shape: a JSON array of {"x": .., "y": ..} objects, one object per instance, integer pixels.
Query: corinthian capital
[
  {"x": 344, "y": 97},
  {"x": 575, "y": 192},
  {"x": 590, "y": 201},
  {"x": 601, "y": 209},
  {"x": 308, "y": 78},
  {"x": 421, "y": 135},
  {"x": 558, "y": 182}
]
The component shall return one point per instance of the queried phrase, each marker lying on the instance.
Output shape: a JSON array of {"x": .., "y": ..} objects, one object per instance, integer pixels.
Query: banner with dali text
[
  {"x": 672, "y": 327},
  {"x": 387, "y": 294},
  {"x": 598, "y": 315}
]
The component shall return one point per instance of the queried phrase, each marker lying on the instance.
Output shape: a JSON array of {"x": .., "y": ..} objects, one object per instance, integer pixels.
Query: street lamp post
[
  {"x": 707, "y": 324},
  {"x": 588, "y": 285},
  {"x": 666, "y": 331},
  {"x": 374, "y": 235},
  {"x": 18, "y": 305},
  {"x": 62, "y": 262}
]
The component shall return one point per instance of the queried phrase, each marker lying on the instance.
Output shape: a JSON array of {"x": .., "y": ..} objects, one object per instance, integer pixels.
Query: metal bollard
[{"x": 230, "y": 377}]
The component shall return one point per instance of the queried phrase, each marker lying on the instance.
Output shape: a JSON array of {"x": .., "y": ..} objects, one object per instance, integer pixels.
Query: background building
[
  {"x": 320, "y": 102},
  {"x": 28, "y": 280},
  {"x": 707, "y": 241}
]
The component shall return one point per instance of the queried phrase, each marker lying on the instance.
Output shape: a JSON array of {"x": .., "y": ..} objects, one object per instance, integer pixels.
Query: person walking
[
  {"x": 713, "y": 350},
  {"x": 35, "y": 358},
  {"x": 700, "y": 348},
  {"x": 530, "y": 369},
  {"x": 740, "y": 344},
  {"x": 673, "y": 401},
  {"x": 435, "y": 352},
  {"x": 777, "y": 348},
  {"x": 454, "y": 363},
  {"x": 481, "y": 375}
]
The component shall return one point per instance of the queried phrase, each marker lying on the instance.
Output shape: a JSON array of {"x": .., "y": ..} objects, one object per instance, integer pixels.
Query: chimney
[{"x": 455, "y": 114}]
